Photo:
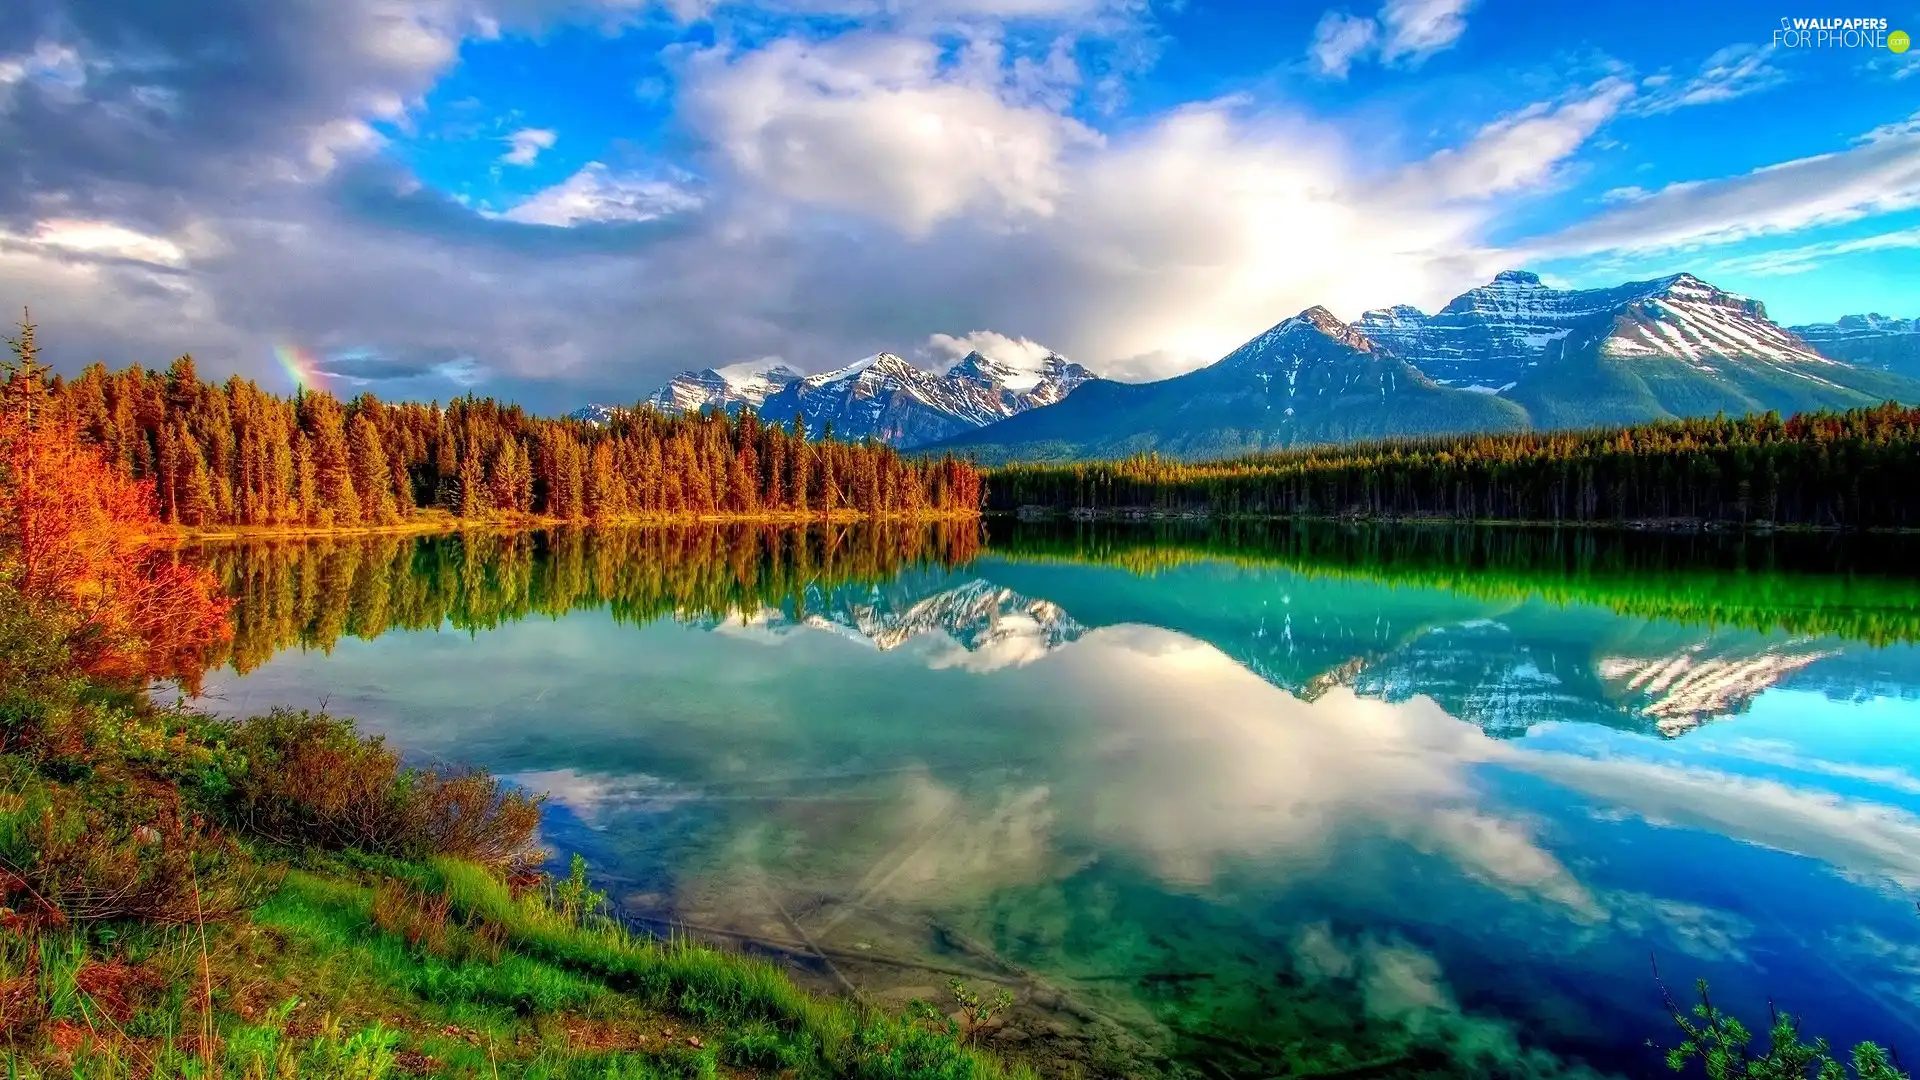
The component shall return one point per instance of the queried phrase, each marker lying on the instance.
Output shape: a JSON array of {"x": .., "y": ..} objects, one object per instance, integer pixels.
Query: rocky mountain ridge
[
  {"x": 1509, "y": 355},
  {"x": 1873, "y": 340}
]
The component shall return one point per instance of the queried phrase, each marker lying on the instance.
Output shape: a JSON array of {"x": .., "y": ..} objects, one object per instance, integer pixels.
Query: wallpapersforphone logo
[{"x": 1816, "y": 33}]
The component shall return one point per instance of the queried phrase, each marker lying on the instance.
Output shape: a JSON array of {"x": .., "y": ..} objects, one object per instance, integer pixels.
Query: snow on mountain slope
[
  {"x": 989, "y": 626},
  {"x": 1687, "y": 319},
  {"x": 882, "y": 396},
  {"x": 595, "y": 414},
  {"x": 889, "y": 399},
  {"x": 1680, "y": 693},
  {"x": 1492, "y": 338},
  {"x": 729, "y": 388}
]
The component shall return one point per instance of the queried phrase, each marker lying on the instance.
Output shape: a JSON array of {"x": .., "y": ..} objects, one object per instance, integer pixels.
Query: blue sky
[{"x": 560, "y": 199}]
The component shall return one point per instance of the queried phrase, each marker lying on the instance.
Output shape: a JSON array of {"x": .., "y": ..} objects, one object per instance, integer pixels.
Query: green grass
[{"x": 310, "y": 985}]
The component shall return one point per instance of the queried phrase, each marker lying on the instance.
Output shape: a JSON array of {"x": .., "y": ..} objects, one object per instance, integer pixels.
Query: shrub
[
  {"x": 95, "y": 851},
  {"x": 420, "y": 918},
  {"x": 307, "y": 778}
]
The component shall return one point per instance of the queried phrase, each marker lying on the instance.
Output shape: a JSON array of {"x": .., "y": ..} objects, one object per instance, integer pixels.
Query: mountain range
[
  {"x": 1509, "y": 355},
  {"x": 881, "y": 397},
  {"x": 1870, "y": 341}
]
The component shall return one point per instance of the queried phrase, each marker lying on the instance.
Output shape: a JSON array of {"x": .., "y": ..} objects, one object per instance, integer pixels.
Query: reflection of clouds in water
[
  {"x": 1898, "y": 962},
  {"x": 1195, "y": 759},
  {"x": 1396, "y": 981},
  {"x": 1403, "y": 985},
  {"x": 1868, "y": 840},
  {"x": 1783, "y": 755},
  {"x": 1016, "y": 640},
  {"x": 945, "y": 844},
  {"x": 1704, "y": 933},
  {"x": 591, "y": 796},
  {"x": 1202, "y": 759}
]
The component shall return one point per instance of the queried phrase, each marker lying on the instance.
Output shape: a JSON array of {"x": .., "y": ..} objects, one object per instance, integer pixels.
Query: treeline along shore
[
  {"x": 1827, "y": 470},
  {"x": 232, "y": 454}
]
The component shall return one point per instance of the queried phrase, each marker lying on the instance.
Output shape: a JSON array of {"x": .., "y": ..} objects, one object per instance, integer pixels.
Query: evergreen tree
[{"x": 372, "y": 475}]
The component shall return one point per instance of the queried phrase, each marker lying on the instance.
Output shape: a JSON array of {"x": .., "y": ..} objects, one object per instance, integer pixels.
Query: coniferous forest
[
  {"x": 1848, "y": 470},
  {"x": 234, "y": 454}
]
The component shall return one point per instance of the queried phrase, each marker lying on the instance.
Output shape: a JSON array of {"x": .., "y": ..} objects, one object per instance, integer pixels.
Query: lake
[{"x": 1229, "y": 802}]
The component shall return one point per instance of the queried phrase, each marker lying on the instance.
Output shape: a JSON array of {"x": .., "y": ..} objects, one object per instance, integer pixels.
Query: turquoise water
[{"x": 1222, "y": 817}]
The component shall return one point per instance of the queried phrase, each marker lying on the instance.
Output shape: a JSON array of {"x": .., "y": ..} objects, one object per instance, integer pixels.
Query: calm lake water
[{"x": 1305, "y": 802}]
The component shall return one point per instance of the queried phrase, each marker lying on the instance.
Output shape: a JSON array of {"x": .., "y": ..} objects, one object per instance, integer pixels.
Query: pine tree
[
  {"x": 197, "y": 505},
  {"x": 372, "y": 475}
]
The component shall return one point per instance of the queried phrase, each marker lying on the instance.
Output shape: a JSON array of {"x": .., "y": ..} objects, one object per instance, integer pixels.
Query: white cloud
[
  {"x": 1897, "y": 963},
  {"x": 1874, "y": 177},
  {"x": 1520, "y": 150},
  {"x": 1016, "y": 352},
  {"x": 872, "y": 124},
  {"x": 1339, "y": 39},
  {"x": 103, "y": 239},
  {"x": 1415, "y": 29},
  {"x": 597, "y": 194},
  {"x": 1405, "y": 33},
  {"x": 855, "y": 193},
  {"x": 52, "y": 64},
  {"x": 1861, "y": 839},
  {"x": 524, "y": 146},
  {"x": 1732, "y": 72},
  {"x": 1909, "y": 126},
  {"x": 331, "y": 142},
  {"x": 591, "y": 796},
  {"x": 1774, "y": 752}
]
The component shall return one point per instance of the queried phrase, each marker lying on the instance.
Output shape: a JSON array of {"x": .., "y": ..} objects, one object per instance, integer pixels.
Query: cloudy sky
[{"x": 564, "y": 200}]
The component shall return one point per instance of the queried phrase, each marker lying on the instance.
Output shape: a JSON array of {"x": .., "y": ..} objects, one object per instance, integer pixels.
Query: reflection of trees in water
[
  {"x": 311, "y": 592},
  {"x": 1857, "y": 587}
]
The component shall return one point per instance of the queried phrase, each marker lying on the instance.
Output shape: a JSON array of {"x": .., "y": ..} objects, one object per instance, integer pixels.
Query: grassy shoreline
[{"x": 187, "y": 896}]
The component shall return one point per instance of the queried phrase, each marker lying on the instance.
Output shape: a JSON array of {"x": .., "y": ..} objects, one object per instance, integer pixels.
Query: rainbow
[{"x": 301, "y": 366}]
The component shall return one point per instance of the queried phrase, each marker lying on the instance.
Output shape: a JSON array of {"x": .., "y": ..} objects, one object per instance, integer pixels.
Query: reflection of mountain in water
[
  {"x": 1687, "y": 690},
  {"x": 1509, "y": 674},
  {"x": 1504, "y": 667},
  {"x": 976, "y": 614}
]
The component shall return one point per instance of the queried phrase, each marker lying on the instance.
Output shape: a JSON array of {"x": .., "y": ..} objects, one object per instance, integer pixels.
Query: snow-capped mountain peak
[
  {"x": 596, "y": 414},
  {"x": 880, "y": 363},
  {"x": 1684, "y": 318},
  {"x": 886, "y": 397},
  {"x": 1315, "y": 332},
  {"x": 760, "y": 377},
  {"x": 1022, "y": 374},
  {"x": 1493, "y": 336},
  {"x": 1322, "y": 321},
  {"x": 728, "y": 389}
]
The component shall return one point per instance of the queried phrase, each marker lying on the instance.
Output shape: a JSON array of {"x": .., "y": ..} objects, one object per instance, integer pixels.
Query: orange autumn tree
[{"x": 83, "y": 545}]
